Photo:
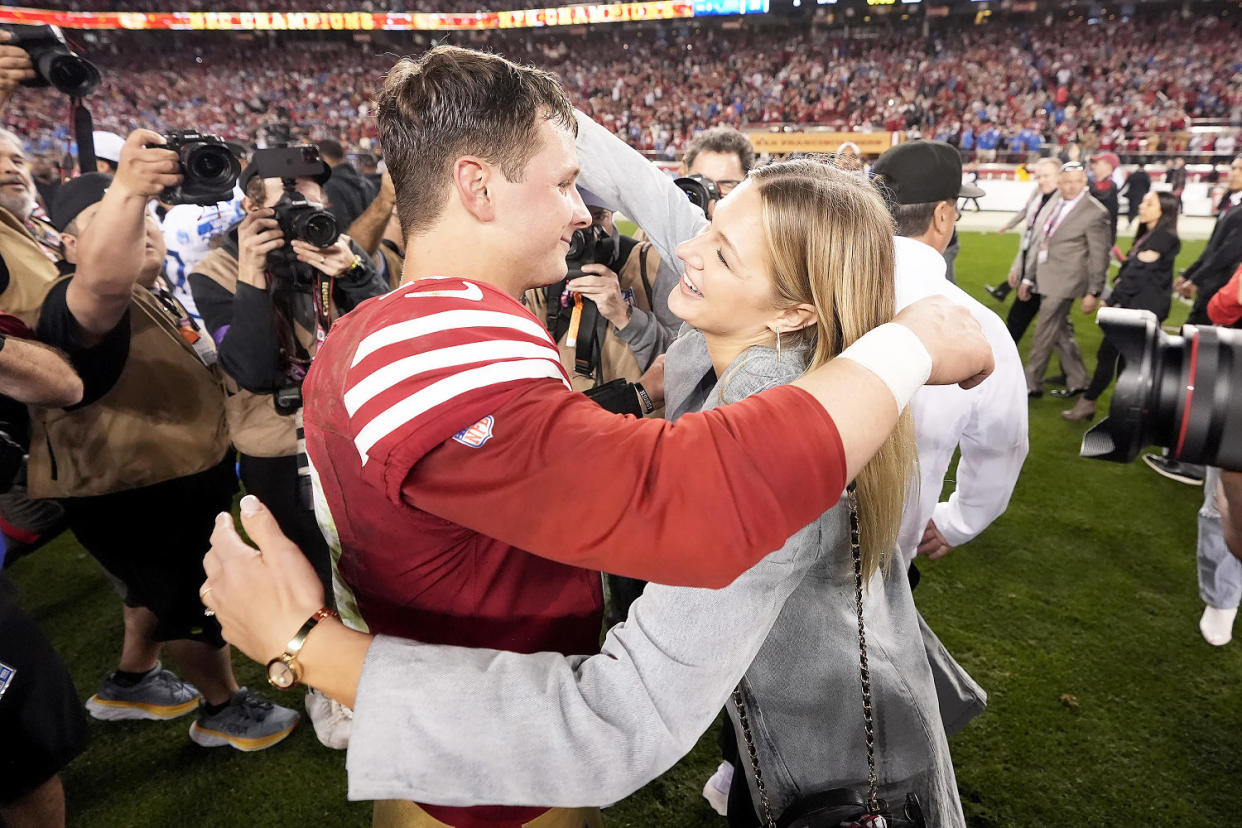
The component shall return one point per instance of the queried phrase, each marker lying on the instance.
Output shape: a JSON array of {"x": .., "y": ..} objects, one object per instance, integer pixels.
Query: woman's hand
[{"x": 261, "y": 598}]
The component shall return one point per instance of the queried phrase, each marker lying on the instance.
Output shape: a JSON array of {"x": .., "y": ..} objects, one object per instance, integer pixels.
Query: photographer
[
  {"x": 143, "y": 462},
  {"x": 260, "y": 310},
  {"x": 26, "y": 265},
  {"x": 259, "y": 304}
]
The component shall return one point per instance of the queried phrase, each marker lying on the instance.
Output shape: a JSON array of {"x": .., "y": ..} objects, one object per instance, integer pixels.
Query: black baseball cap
[
  {"x": 75, "y": 195},
  {"x": 919, "y": 172}
]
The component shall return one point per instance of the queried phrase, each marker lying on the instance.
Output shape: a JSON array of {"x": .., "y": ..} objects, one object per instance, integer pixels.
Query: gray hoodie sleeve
[
  {"x": 460, "y": 726},
  {"x": 631, "y": 184}
]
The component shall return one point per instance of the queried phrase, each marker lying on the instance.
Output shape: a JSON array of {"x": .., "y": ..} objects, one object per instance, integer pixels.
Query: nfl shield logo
[
  {"x": 477, "y": 434},
  {"x": 6, "y": 677}
]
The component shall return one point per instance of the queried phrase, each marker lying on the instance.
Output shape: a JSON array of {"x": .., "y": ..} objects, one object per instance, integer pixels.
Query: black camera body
[
  {"x": 700, "y": 189},
  {"x": 54, "y": 62},
  {"x": 1181, "y": 392},
  {"x": 208, "y": 166},
  {"x": 298, "y": 217},
  {"x": 588, "y": 245}
]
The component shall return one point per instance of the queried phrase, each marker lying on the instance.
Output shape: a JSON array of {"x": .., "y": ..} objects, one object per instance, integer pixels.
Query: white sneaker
[
  {"x": 716, "y": 791},
  {"x": 332, "y": 720},
  {"x": 1217, "y": 625}
]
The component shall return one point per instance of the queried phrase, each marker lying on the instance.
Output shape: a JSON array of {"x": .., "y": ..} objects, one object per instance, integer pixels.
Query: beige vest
[
  {"x": 616, "y": 359},
  {"x": 254, "y": 425},
  {"x": 30, "y": 270},
  {"x": 163, "y": 419}
]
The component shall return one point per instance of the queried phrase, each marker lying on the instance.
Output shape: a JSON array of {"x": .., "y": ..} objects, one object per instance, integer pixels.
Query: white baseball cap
[{"x": 108, "y": 146}]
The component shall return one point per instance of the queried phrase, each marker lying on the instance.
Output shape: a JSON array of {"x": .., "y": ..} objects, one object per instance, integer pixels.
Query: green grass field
[{"x": 1077, "y": 611}]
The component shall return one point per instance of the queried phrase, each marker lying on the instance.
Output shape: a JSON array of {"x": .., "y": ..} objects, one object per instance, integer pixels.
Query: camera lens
[
  {"x": 1181, "y": 392},
  {"x": 319, "y": 228},
  {"x": 69, "y": 73},
  {"x": 211, "y": 165},
  {"x": 578, "y": 243}
]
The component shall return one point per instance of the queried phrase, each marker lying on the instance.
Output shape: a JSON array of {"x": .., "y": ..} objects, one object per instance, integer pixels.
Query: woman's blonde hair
[{"x": 831, "y": 241}]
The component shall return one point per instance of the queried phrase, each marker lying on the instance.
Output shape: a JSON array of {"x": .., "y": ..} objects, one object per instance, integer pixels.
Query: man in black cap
[
  {"x": 922, "y": 180},
  {"x": 259, "y": 307},
  {"x": 143, "y": 463}
]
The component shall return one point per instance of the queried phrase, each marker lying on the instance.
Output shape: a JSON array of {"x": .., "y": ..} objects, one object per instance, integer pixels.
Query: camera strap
[
  {"x": 324, "y": 286},
  {"x": 83, "y": 130}
]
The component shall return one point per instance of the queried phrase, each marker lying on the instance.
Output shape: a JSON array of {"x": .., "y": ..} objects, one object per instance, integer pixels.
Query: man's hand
[
  {"x": 652, "y": 381},
  {"x": 260, "y": 596},
  {"x": 330, "y": 261},
  {"x": 1090, "y": 304},
  {"x": 960, "y": 353},
  {"x": 15, "y": 67},
  {"x": 603, "y": 287},
  {"x": 258, "y": 234},
  {"x": 1184, "y": 288},
  {"x": 145, "y": 171},
  {"x": 933, "y": 546},
  {"x": 1024, "y": 292}
]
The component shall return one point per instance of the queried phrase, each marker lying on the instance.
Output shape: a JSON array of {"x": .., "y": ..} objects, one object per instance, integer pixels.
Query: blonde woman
[{"x": 796, "y": 265}]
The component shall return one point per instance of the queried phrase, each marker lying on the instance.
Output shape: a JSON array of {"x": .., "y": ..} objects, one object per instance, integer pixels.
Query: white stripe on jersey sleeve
[
  {"x": 387, "y": 376},
  {"x": 447, "y": 321},
  {"x": 420, "y": 402}
]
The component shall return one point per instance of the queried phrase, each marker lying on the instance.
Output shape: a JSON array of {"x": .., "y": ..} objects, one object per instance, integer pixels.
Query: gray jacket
[
  {"x": 1077, "y": 252},
  {"x": 459, "y": 726}
]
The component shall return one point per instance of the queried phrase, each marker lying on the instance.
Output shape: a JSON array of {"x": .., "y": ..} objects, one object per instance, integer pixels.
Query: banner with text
[{"x": 776, "y": 143}]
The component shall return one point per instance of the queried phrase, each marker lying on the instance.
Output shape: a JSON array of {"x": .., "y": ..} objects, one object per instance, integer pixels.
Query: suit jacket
[
  {"x": 1077, "y": 261},
  {"x": 1222, "y": 254},
  {"x": 1023, "y": 217}
]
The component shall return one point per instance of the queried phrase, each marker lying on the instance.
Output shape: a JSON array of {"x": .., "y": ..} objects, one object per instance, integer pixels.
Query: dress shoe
[
  {"x": 1187, "y": 473},
  {"x": 998, "y": 292},
  {"x": 1084, "y": 409},
  {"x": 1066, "y": 393},
  {"x": 1034, "y": 395}
]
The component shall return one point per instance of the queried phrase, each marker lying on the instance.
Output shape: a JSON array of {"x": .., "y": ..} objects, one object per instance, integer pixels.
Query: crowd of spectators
[{"x": 1002, "y": 89}]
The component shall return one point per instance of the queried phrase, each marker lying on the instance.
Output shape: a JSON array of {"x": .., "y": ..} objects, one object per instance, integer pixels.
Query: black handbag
[{"x": 839, "y": 807}]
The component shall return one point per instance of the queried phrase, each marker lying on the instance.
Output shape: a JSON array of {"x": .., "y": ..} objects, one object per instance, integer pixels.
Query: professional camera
[
  {"x": 700, "y": 189},
  {"x": 54, "y": 62},
  {"x": 1182, "y": 392},
  {"x": 209, "y": 167},
  {"x": 299, "y": 218},
  {"x": 587, "y": 246}
]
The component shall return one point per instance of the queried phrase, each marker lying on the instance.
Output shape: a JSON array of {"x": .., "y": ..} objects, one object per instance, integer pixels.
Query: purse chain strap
[{"x": 873, "y": 783}]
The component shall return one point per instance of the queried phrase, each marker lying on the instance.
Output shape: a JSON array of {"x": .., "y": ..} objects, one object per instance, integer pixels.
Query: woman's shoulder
[{"x": 758, "y": 369}]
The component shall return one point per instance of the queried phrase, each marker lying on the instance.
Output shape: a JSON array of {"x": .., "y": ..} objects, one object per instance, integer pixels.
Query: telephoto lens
[
  {"x": 1181, "y": 392},
  {"x": 54, "y": 62}
]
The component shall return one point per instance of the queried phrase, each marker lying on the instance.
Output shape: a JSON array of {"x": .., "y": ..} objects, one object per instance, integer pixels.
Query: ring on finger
[{"x": 202, "y": 595}]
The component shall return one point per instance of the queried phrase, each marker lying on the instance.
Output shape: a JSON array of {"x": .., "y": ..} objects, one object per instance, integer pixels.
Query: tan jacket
[
  {"x": 1077, "y": 260},
  {"x": 31, "y": 272},
  {"x": 163, "y": 419},
  {"x": 254, "y": 425}
]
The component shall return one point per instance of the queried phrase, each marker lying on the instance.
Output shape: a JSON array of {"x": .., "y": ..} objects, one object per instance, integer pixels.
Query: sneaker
[
  {"x": 1217, "y": 625},
  {"x": 332, "y": 720},
  {"x": 716, "y": 791},
  {"x": 160, "y": 695},
  {"x": 248, "y": 722},
  {"x": 1186, "y": 473}
]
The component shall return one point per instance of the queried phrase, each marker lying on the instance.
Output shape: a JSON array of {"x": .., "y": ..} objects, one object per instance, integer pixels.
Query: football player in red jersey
[{"x": 471, "y": 496}]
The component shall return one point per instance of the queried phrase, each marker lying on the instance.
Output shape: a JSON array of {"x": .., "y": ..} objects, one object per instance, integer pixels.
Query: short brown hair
[
  {"x": 722, "y": 139},
  {"x": 452, "y": 102}
]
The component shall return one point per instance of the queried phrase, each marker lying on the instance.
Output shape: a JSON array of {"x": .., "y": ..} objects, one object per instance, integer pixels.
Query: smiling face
[
  {"x": 536, "y": 216},
  {"x": 727, "y": 289},
  {"x": 17, "y": 192}
]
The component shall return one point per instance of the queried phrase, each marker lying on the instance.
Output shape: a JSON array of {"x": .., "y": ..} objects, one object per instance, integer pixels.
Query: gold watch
[{"x": 284, "y": 671}]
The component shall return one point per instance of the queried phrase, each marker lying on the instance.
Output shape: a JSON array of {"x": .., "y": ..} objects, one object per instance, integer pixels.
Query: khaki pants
[
  {"x": 396, "y": 813},
  {"x": 1055, "y": 332}
]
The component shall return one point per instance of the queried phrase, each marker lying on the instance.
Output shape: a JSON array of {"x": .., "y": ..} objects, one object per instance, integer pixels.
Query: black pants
[
  {"x": 274, "y": 480},
  {"x": 1021, "y": 314},
  {"x": 1105, "y": 369}
]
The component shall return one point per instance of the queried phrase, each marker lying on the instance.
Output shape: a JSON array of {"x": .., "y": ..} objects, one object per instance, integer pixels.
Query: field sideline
[{"x": 1077, "y": 611}]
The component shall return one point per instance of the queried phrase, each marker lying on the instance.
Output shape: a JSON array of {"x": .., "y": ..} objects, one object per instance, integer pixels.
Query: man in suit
[
  {"x": 1046, "y": 172},
  {"x": 1067, "y": 259}
]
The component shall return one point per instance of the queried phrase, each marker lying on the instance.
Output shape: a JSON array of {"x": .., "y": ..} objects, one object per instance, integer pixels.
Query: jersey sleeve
[{"x": 694, "y": 503}]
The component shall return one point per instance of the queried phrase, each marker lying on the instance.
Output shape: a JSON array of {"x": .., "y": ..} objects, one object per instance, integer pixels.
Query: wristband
[
  {"x": 897, "y": 356},
  {"x": 648, "y": 405}
]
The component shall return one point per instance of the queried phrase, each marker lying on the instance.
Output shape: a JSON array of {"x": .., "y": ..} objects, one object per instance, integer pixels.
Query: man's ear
[
  {"x": 945, "y": 217},
  {"x": 69, "y": 243},
  {"x": 471, "y": 178}
]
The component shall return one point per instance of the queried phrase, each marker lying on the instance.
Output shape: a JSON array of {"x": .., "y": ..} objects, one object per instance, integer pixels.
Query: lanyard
[{"x": 1055, "y": 220}]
